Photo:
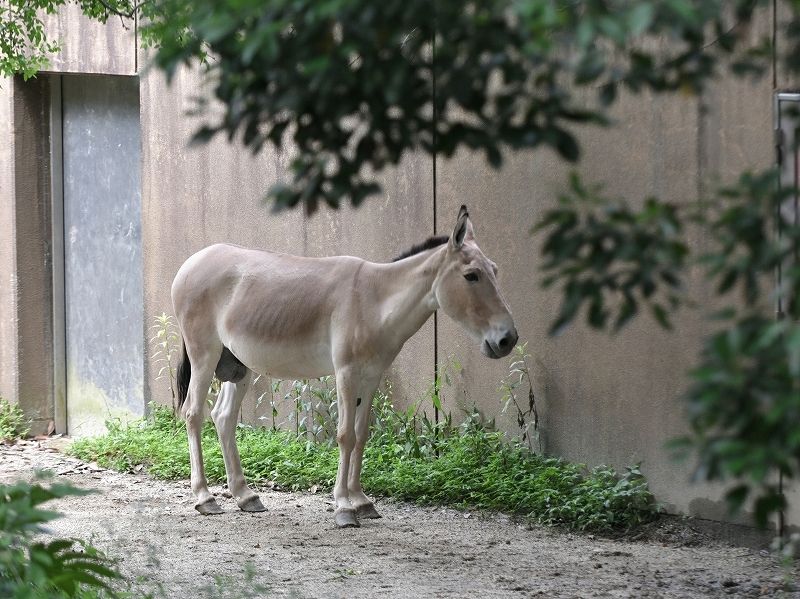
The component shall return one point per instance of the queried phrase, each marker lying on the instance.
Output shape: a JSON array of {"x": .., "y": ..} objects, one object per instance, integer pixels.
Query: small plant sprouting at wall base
[
  {"x": 514, "y": 388},
  {"x": 442, "y": 376},
  {"x": 315, "y": 408},
  {"x": 271, "y": 393},
  {"x": 786, "y": 550},
  {"x": 237, "y": 587},
  {"x": 166, "y": 343},
  {"x": 13, "y": 424}
]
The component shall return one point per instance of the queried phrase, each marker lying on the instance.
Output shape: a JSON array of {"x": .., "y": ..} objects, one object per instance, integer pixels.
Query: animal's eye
[{"x": 472, "y": 277}]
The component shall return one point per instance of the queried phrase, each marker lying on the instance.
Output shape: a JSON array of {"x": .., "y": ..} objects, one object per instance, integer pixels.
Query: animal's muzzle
[{"x": 502, "y": 347}]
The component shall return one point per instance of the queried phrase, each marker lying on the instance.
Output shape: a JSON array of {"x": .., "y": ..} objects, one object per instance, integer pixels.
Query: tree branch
[{"x": 118, "y": 12}]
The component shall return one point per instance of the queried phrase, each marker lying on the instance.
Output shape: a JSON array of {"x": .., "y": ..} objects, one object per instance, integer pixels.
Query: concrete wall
[
  {"x": 33, "y": 263},
  {"x": 784, "y": 81},
  {"x": 603, "y": 399},
  {"x": 88, "y": 46}
]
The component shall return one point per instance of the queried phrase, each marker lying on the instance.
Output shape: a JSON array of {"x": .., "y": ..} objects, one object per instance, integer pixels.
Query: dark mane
[{"x": 428, "y": 244}]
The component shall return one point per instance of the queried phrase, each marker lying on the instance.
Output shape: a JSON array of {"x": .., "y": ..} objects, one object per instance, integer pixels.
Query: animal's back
[
  {"x": 270, "y": 309},
  {"x": 227, "y": 269}
]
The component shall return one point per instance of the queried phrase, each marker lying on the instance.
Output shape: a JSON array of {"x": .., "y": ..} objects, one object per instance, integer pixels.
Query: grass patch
[
  {"x": 409, "y": 458},
  {"x": 159, "y": 444}
]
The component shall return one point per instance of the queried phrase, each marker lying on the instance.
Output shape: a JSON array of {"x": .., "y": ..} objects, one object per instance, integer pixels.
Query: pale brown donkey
[{"x": 242, "y": 311}]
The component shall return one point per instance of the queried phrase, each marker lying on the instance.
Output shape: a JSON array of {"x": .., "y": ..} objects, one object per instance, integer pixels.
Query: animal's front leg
[
  {"x": 364, "y": 506},
  {"x": 345, "y": 514}
]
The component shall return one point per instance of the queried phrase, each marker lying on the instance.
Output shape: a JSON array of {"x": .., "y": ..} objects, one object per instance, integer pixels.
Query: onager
[{"x": 243, "y": 310}]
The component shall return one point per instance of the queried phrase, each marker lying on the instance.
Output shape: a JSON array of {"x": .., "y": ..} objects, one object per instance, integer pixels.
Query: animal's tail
[{"x": 183, "y": 375}]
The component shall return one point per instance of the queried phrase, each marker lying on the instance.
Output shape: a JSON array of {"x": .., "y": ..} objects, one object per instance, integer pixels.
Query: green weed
[
  {"x": 235, "y": 587},
  {"x": 166, "y": 343},
  {"x": 13, "y": 424},
  {"x": 315, "y": 408},
  {"x": 785, "y": 549},
  {"x": 514, "y": 386}
]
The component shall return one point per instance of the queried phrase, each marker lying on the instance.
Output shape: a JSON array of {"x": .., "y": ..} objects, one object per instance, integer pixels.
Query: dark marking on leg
[{"x": 358, "y": 402}]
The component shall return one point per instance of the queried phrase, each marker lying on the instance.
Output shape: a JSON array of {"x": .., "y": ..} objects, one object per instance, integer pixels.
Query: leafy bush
[
  {"x": 40, "y": 569},
  {"x": 473, "y": 466},
  {"x": 408, "y": 457}
]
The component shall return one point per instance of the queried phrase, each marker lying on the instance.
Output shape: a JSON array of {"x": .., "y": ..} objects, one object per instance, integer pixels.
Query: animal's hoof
[
  {"x": 346, "y": 518},
  {"x": 252, "y": 505},
  {"x": 367, "y": 511},
  {"x": 209, "y": 508}
]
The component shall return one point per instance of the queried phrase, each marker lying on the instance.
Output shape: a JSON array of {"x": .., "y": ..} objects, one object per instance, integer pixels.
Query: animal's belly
[{"x": 286, "y": 360}]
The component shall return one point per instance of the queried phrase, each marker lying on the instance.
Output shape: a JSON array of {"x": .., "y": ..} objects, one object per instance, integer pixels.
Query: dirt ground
[{"x": 294, "y": 550}]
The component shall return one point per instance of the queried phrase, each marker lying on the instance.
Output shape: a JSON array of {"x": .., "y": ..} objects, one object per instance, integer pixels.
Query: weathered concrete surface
[
  {"x": 88, "y": 46},
  {"x": 8, "y": 279},
  {"x": 786, "y": 81},
  {"x": 26, "y": 296}
]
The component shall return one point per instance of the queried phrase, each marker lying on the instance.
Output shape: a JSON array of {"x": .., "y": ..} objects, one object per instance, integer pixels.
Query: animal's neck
[{"x": 409, "y": 298}]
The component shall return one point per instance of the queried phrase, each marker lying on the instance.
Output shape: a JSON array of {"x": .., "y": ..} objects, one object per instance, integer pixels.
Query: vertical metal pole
[
  {"x": 779, "y": 309},
  {"x": 779, "y": 313},
  {"x": 435, "y": 118},
  {"x": 774, "y": 44},
  {"x": 59, "y": 296},
  {"x": 786, "y": 157}
]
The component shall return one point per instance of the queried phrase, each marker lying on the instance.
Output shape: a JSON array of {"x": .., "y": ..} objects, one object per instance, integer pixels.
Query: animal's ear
[{"x": 463, "y": 229}]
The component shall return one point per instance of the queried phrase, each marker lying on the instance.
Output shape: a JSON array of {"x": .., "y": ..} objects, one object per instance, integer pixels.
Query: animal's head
[{"x": 467, "y": 291}]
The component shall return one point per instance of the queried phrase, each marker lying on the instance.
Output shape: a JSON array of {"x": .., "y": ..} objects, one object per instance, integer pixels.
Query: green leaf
[
  {"x": 767, "y": 505},
  {"x": 608, "y": 93},
  {"x": 661, "y": 316},
  {"x": 566, "y": 145},
  {"x": 584, "y": 33},
  {"x": 641, "y": 17}
]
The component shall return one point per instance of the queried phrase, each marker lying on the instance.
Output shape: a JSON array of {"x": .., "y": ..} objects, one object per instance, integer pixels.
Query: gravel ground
[{"x": 293, "y": 549}]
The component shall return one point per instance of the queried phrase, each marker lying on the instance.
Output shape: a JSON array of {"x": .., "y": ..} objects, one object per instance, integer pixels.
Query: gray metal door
[{"x": 102, "y": 227}]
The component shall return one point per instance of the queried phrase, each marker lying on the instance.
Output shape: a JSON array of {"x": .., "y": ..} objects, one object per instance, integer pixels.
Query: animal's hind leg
[
  {"x": 193, "y": 413},
  {"x": 224, "y": 414}
]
